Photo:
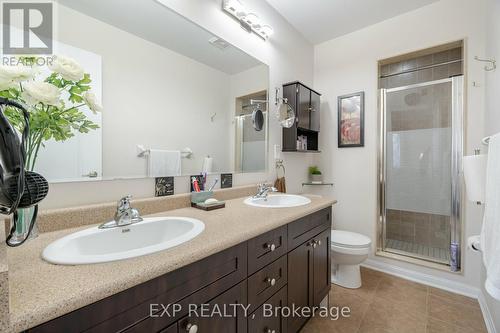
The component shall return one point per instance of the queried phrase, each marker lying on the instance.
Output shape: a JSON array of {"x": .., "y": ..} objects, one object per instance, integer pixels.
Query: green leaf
[
  {"x": 86, "y": 79},
  {"x": 75, "y": 90}
]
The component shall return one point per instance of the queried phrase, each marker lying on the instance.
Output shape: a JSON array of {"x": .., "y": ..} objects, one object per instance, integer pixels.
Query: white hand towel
[
  {"x": 490, "y": 233},
  {"x": 162, "y": 163}
]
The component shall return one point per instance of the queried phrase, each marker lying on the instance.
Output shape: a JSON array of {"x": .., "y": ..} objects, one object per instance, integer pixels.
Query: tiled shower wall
[
  {"x": 418, "y": 228},
  {"x": 427, "y": 229},
  {"x": 423, "y": 75}
]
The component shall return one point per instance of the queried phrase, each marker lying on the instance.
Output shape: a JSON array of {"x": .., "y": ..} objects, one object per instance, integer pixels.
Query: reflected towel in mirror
[{"x": 164, "y": 163}]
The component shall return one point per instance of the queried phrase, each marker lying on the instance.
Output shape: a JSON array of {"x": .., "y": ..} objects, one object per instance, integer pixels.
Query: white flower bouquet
[{"x": 53, "y": 102}]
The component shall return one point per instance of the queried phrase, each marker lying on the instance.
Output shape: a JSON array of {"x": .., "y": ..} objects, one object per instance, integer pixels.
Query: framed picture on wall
[{"x": 351, "y": 120}]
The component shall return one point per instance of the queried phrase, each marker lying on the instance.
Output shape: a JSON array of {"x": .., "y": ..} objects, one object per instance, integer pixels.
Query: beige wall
[{"x": 348, "y": 64}]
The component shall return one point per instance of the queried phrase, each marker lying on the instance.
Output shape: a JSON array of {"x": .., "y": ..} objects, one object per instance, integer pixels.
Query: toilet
[{"x": 349, "y": 250}]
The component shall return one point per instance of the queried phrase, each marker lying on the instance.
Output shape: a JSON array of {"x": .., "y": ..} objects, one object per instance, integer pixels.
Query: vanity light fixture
[{"x": 249, "y": 21}]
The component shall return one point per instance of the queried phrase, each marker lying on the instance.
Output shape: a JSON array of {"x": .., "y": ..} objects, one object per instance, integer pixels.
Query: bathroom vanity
[
  {"x": 246, "y": 255},
  {"x": 287, "y": 265}
]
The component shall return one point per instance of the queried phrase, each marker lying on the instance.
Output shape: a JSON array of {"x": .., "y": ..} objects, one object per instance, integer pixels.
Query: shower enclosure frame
[{"x": 457, "y": 111}]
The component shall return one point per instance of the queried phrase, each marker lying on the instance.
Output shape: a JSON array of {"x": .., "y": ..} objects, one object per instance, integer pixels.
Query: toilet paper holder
[{"x": 474, "y": 243}]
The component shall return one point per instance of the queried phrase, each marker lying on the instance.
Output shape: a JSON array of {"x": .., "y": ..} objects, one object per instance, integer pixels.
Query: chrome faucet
[
  {"x": 263, "y": 190},
  {"x": 124, "y": 215}
]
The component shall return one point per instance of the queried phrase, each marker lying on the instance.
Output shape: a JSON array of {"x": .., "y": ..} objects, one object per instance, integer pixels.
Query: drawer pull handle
[
  {"x": 268, "y": 330},
  {"x": 271, "y": 281},
  {"x": 271, "y": 247},
  {"x": 190, "y": 328}
]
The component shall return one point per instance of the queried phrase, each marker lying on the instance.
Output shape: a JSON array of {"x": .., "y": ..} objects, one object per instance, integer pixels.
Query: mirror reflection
[{"x": 154, "y": 95}]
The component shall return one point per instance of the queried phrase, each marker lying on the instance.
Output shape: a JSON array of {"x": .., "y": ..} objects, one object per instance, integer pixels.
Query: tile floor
[{"x": 387, "y": 304}]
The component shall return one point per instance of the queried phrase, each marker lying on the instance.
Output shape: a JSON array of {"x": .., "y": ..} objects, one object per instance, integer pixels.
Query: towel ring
[{"x": 280, "y": 165}]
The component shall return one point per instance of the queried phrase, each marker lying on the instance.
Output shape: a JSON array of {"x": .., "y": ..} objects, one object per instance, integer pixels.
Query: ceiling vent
[{"x": 219, "y": 43}]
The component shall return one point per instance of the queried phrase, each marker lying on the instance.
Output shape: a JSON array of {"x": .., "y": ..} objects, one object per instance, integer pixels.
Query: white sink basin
[
  {"x": 278, "y": 201},
  {"x": 96, "y": 245}
]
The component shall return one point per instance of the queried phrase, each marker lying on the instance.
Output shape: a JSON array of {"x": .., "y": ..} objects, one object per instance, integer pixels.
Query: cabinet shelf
[{"x": 301, "y": 151}]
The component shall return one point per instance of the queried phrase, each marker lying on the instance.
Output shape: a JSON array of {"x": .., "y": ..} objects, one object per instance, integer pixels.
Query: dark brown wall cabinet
[
  {"x": 289, "y": 265},
  {"x": 306, "y": 103}
]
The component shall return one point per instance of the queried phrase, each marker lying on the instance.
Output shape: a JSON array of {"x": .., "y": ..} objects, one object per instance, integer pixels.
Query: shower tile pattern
[
  {"x": 387, "y": 304},
  {"x": 419, "y": 228},
  {"x": 422, "y": 75},
  {"x": 418, "y": 160}
]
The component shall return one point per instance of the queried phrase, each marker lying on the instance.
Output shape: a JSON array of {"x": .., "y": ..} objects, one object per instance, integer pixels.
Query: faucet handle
[{"x": 124, "y": 203}]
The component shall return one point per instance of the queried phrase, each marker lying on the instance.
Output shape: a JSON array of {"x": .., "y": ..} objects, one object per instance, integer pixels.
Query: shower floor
[{"x": 426, "y": 252}]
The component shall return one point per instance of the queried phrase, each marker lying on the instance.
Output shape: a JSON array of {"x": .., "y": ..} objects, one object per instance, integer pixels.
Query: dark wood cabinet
[
  {"x": 289, "y": 265},
  {"x": 304, "y": 107},
  {"x": 321, "y": 266},
  {"x": 300, "y": 282},
  {"x": 170, "y": 329},
  {"x": 261, "y": 322},
  {"x": 306, "y": 103},
  {"x": 314, "y": 121},
  {"x": 309, "y": 275},
  {"x": 231, "y": 319}
]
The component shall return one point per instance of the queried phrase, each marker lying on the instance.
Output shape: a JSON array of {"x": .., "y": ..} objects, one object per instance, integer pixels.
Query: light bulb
[
  {"x": 251, "y": 19},
  {"x": 234, "y": 6},
  {"x": 266, "y": 30}
]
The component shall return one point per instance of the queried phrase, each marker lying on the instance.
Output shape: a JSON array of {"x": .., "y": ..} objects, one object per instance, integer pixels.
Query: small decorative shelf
[
  {"x": 317, "y": 184},
  {"x": 301, "y": 151}
]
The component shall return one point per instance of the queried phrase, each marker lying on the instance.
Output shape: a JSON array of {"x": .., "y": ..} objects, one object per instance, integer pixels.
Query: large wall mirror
[{"x": 176, "y": 99}]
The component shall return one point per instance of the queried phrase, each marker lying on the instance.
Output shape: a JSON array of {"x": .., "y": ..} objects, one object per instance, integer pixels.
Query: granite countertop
[{"x": 40, "y": 291}]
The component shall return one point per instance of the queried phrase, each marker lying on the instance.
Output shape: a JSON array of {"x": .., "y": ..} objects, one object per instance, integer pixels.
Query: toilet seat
[{"x": 349, "y": 240}]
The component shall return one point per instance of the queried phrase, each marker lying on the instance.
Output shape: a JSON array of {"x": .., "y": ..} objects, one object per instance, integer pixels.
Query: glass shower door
[{"x": 421, "y": 133}]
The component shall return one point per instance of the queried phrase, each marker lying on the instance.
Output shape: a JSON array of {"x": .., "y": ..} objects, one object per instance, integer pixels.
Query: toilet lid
[{"x": 349, "y": 239}]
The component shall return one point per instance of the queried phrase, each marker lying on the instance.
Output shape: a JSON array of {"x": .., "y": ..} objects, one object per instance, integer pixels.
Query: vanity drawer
[
  {"x": 309, "y": 226},
  {"x": 266, "y": 282},
  {"x": 212, "y": 275},
  {"x": 230, "y": 319},
  {"x": 258, "y": 323},
  {"x": 266, "y": 248}
]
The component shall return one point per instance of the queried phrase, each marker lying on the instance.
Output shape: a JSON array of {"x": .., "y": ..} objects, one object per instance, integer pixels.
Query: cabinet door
[
  {"x": 219, "y": 315},
  {"x": 304, "y": 104},
  {"x": 171, "y": 329},
  {"x": 321, "y": 266},
  {"x": 300, "y": 276},
  {"x": 315, "y": 115},
  {"x": 260, "y": 322},
  {"x": 290, "y": 134}
]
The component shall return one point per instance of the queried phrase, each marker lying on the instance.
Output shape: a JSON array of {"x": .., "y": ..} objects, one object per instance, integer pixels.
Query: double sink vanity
[{"x": 253, "y": 252}]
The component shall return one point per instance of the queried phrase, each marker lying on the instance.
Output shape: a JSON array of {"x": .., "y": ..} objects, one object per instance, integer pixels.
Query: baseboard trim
[
  {"x": 488, "y": 319},
  {"x": 427, "y": 279},
  {"x": 437, "y": 282}
]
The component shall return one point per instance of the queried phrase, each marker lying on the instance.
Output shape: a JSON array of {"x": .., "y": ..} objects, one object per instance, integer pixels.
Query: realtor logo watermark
[
  {"x": 27, "y": 28},
  {"x": 158, "y": 310}
]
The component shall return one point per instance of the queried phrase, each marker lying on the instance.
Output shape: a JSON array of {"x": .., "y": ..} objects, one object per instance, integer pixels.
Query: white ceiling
[
  {"x": 321, "y": 20},
  {"x": 152, "y": 21}
]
